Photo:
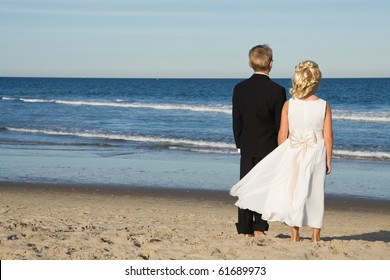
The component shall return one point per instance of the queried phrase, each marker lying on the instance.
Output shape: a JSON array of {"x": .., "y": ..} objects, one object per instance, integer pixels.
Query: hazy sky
[{"x": 191, "y": 38}]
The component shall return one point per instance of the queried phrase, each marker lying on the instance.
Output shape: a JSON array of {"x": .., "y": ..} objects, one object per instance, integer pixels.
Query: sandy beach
[{"x": 62, "y": 222}]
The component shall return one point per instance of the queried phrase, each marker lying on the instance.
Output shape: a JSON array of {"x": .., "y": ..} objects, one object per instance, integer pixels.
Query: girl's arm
[
  {"x": 328, "y": 138},
  {"x": 283, "y": 130}
]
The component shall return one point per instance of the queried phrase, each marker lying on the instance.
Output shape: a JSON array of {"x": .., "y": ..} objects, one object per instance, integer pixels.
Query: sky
[{"x": 191, "y": 38}]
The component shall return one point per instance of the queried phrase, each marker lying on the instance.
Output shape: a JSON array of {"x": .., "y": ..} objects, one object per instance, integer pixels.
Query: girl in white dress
[{"x": 288, "y": 184}]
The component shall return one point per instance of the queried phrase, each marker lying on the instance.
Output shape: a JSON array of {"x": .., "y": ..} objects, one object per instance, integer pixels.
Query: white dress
[{"x": 288, "y": 184}]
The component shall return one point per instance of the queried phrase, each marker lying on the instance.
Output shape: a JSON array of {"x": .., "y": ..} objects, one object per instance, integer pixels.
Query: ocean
[{"x": 172, "y": 133}]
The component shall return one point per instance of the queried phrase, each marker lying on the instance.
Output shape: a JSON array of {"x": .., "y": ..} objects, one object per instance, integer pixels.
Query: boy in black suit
[{"x": 257, "y": 106}]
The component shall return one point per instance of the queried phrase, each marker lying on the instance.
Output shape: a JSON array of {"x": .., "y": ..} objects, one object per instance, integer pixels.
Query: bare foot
[
  {"x": 249, "y": 235},
  {"x": 259, "y": 233},
  {"x": 316, "y": 235},
  {"x": 295, "y": 234},
  {"x": 315, "y": 240},
  {"x": 296, "y": 238}
]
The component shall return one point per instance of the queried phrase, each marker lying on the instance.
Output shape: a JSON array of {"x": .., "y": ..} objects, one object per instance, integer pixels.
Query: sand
[{"x": 62, "y": 222}]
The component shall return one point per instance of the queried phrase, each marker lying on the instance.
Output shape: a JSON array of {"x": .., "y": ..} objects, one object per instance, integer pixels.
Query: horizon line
[{"x": 166, "y": 78}]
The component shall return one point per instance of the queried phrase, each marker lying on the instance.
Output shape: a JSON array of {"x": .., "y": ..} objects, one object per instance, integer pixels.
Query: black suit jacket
[{"x": 257, "y": 107}]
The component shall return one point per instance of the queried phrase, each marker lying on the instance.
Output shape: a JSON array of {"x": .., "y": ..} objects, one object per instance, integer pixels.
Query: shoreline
[
  {"x": 331, "y": 200},
  {"x": 85, "y": 222}
]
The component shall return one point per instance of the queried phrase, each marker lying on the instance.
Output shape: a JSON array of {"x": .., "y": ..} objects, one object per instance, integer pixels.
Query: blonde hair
[
  {"x": 306, "y": 79},
  {"x": 260, "y": 57}
]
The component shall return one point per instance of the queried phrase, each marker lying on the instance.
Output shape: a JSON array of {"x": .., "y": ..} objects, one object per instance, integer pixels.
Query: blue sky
[{"x": 191, "y": 38}]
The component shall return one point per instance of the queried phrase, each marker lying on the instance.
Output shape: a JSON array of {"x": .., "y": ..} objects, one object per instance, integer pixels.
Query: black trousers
[{"x": 249, "y": 221}]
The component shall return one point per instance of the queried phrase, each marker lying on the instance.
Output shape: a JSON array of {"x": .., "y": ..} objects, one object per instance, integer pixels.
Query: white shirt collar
[{"x": 261, "y": 73}]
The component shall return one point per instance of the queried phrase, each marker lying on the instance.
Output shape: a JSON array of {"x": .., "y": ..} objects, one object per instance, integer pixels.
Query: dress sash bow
[{"x": 302, "y": 141}]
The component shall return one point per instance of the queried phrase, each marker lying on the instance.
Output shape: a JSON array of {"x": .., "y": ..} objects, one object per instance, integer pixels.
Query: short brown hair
[{"x": 260, "y": 57}]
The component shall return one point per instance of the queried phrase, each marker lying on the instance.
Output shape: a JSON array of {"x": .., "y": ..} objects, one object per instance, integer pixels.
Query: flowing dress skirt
[{"x": 287, "y": 185}]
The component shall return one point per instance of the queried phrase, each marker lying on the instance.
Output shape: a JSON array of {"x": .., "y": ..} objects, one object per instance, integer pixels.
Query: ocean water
[{"x": 172, "y": 132}]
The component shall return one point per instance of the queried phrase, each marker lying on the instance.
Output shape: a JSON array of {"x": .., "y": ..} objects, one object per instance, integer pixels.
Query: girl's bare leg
[
  {"x": 316, "y": 235},
  {"x": 295, "y": 234}
]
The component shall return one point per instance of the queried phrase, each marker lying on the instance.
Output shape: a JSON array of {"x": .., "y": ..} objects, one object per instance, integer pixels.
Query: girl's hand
[{"x": 328, "y": 168}]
